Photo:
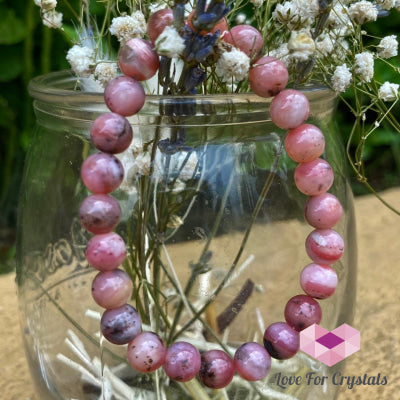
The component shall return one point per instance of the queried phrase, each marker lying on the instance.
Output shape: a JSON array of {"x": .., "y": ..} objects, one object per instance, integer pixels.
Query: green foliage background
[{"x": 27, "y": 49}]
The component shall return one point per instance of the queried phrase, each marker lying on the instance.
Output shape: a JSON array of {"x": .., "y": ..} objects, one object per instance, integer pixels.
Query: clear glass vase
[{"x": 215, "y": 234}]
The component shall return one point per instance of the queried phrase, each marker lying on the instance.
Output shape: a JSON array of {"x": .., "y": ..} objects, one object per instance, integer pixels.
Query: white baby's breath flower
[
  {"x": 340, "y": 51},
  {"x": 286, "y": 13},
  {"x": 387, "y": 4},
  {"x": 128, "y": 27},
  {"x": 364, "y": 66},
  {"x": 170, "y": 43},
  {"x": 324, "y": 45},
  {"x": 105, "y": 72},
  {"x": 240, "y": 18},
  {"x": 153, "y": 7},
  {"x": 307, "y": 8},
  {"x": 46, "y": 5},
  {"x": 339, "y": 18},
  {"x": 257, "y": 3},
  {"x": 52, "y": 19},
  {"x": 363, "y": 11},
  {"x": 341, "y": 78},
  {"x": 301, "y": 45},
  {"x": 388, "y": 47},
  {"x": 232, "y": 64},
  {"x": 81, "y": 59},
  {"x": 389, "y": 91},
  {"x": 282, "y": 53}
]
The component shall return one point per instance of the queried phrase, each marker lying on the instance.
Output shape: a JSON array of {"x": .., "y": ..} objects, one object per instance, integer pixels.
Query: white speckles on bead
[
  {"x": 318, "y": 281},
  {"x": 324, "y": 246}
]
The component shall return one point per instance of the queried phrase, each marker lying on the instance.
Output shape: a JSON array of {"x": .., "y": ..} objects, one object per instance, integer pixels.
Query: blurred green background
[{"x": 27, "y": 49}]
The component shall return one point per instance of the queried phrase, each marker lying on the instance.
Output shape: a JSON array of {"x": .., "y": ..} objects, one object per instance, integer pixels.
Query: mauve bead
[
  {"x": 246, "y": 38},
  {"x": 324, "y": 246},
  {"x": 182, "y": 361},
  {"x": 102, "y": 173},
  {"x": 137, "y": 59},
  {"x": 121, "y": 325},
  {"x": 112, "y": 289},
  {"x": 323, "y": 211},
  {"x": 111, "y": 133},
  {"x": 289, "y": 109},
  {"x": 217, "y": 369},
  {"x": 301, "y": 311},
  {"x": 313, "y": 177},
  {"x": 106, "y": 252},
  {"x": 146, "y": 352},
  {"x": 318, "y": 281},
  {"x": 268, "y": 76},
  {"x": 99, "y": 213},
  {"x": 304, "y": 143},
  {"x": 252, "y": 361},
  {"x": 158, "y": 21},
  {"x": 124, "y": 96},
  {"x": 281, "y": 341}
]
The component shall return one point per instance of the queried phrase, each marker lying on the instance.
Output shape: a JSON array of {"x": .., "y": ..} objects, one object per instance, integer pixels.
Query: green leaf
[
  {"x": 12, "y": 28},
  {"x": 10, "y": 63}
]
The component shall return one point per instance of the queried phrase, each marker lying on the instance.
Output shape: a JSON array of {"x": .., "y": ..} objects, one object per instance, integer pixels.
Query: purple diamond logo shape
[
  {"x": 330, "y": 340},
  {"x": 330, "y": 347}
]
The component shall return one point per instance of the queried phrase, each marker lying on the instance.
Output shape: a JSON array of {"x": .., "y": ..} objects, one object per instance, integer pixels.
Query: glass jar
[{"x": 212, "y": 221}]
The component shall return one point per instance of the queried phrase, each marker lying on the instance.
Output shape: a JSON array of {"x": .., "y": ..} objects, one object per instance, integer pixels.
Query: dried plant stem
[{"x": 257, "y": 209}]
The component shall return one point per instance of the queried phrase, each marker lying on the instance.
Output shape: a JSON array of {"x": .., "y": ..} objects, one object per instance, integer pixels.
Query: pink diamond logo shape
[{"x": 330, "y": 347}]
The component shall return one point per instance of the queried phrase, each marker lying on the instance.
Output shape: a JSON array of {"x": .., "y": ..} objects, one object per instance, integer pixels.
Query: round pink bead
[
  {"x": 313, "y": 177},
  {"x": 246, "y": 39},
  {"x": 301, "y": 311},
  {"x": 182, "y": 361},
  {"x": 121, "y": 325},
  {"x": 146, "y": 352},
  {"x": 318, "y": 281},
  {"x": 217, "y": 369},
  {"x": 111, "y": 133},
  {"x": 304, "y": 143},
  {"x": 289, "y": 109},
  {"x": 281, "y": 341},
  {"x": 138, "y": 60},
  {"x": 102, "y": 173},
  {"x": 268, "y": 76},
  {"x": 99, "y": 213},
  {"x": 157, "y": 23},
  {"x": 112, "y": 289},
  {"x": 324, "y": 246},
  {"x": 323, "y": 211},
  {"x": 124, "y": 96},
  {"x": 106, "y": 252},
  {"x": 252, "y": 362}
]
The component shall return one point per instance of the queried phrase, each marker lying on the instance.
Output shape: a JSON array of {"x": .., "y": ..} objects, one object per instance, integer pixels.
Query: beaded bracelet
[{"x": 100, "y": 213}]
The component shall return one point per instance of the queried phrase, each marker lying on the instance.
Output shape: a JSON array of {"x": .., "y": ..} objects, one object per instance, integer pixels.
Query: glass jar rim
[{"x": 58, "y": 87}]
